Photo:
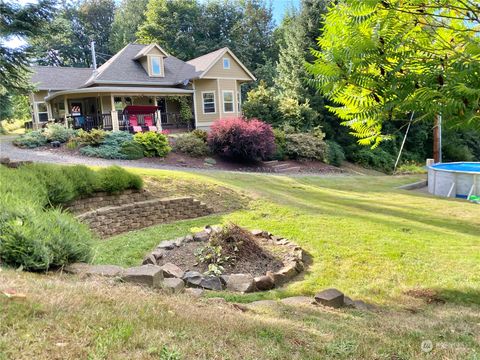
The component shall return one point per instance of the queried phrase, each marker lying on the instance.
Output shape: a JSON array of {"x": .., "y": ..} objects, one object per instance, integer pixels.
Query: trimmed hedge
[{"x": 154, "y": 144}]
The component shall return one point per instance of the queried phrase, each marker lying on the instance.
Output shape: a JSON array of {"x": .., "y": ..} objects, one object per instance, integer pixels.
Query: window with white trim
[
  {"x": 42, "y": 111},
  {"x": 156, "y": 65},
  {"x": 208, "y": 102},
  {"x": 228, "y": 105},
  {"x": 226, "y": 63}
]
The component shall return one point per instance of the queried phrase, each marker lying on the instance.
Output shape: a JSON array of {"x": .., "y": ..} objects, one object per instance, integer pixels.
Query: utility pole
[
  {"x": 94, "y": 60},
  {"x": 437, "y": 139}
]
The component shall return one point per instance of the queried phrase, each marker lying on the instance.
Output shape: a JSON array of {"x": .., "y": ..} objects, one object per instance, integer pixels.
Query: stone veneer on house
[{"x": 111, "y": 220}]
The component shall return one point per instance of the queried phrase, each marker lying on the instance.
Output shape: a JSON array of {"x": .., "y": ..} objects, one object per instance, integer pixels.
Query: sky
[{"x": 279, "y": 8}]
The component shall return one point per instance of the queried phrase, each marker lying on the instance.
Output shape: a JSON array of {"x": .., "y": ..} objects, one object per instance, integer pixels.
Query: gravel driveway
[{"x": 7, "y": 149}]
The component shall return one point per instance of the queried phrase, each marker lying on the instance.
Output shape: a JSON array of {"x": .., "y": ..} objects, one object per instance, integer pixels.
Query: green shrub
[
  {"x": 38, "y": 240},
  {"x": 85, "y": 180},
  {"x": 94, "y": 137},
  {"x": 60, "y": 189},
  {"x": 334, "y": 155},
  {"x": 305, "y": 146},
  {"x": 58, "y": 132},
  {"x": 280, "y": 144},
  {"x": 377, "y": 159},
  {"x": 110, "y": 148},
  {"x": 201, "y": 134},
  {"x": 411, "y": 168},
  {"x": 154, "y": 144},
  {"x": 132, "y": 150},
  {"x": 72, "y": 144},
  {"x": 191, "y": 145},
  {"x": 114, "y": 179},
  {"x": 31, "y": 140}
]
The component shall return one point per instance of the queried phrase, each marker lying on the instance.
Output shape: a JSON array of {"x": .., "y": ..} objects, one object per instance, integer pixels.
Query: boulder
[
  {"x": 189, "y": 238},
  {"x": 257, "y": 232},
  {"x": 149, "y": 259},
  {"x": 195, "y": 292},
  {"x": 193, "y": 278},
  {"x": 211, "y": 282},
  {"x": 151, "y": 275},
  {"x": 330, "y": 297},
  {"x": 158, "y": 254},
  {"x": 179, "y": 241},
  {"x": 167, "y": 245},
  {"x": 173, "y": 285},
  {"x": 213, "y": 229},
  {"x": 172, "y": 271},
  {"x": 264, "y": 282},
  {"x": 240, "y": 282},
  {"x": 201, "y": 236},
  {"x": 348, "y": 302}
]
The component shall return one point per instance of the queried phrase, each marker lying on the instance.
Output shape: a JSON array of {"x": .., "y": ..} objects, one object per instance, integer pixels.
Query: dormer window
[
  {"x": 155, "y": 66},
  {"x": 226, "y": 63}
]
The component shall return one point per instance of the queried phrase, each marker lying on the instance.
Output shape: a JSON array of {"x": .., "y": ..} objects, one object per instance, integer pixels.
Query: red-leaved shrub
[{"x": 242, "y": 139}]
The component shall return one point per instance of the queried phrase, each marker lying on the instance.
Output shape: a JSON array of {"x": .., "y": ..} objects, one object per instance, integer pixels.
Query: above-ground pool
[{"x": 459, "y": 179}]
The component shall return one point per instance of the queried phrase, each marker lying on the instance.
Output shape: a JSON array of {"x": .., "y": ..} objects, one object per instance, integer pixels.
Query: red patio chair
[
  {"x": 133, "y": 122},
  {"x": 149, "y": 123}
]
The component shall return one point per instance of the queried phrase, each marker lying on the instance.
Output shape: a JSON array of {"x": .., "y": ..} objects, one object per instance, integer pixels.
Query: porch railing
[{"x": 89, "y": 122}]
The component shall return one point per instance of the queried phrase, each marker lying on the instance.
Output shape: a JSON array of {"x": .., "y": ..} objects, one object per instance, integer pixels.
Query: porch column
[
  {"x": 114, "y": 115},
  {"x": 49, "y": 111},
  {"x": 65, "y": 115},
  {"x": 158, "y": 117}
]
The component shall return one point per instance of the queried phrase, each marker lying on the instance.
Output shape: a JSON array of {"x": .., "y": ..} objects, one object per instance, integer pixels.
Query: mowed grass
[{"x": 364, "y": 237}]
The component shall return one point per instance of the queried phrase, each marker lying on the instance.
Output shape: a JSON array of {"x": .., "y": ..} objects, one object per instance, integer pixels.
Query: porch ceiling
[{"x": 121, "y": 90}]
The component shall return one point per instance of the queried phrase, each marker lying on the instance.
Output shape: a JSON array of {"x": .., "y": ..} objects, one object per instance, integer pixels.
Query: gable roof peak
[{"x": 143, "y": 52}]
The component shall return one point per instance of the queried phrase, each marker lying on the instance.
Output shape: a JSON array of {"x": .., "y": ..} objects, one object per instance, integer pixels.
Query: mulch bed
[{"x": 269, "y": 259}]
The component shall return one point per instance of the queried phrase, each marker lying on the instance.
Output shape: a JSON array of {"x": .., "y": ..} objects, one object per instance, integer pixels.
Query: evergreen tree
[
  {"x": 290, "y": 79},
  {"x": 129, "y": 15},
  {"x": 23, "y": 22}
]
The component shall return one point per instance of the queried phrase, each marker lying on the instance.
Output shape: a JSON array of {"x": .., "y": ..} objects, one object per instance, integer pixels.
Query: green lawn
[{"x": 365, "y": 238}]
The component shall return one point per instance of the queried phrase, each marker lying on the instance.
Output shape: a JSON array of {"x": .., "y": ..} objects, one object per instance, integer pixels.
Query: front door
[{"x": 162, "y": 106}]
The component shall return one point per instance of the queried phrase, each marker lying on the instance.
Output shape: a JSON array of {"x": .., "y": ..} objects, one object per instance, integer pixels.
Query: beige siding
[
  {"x": 218, "y": 86},
  {"x": 235, "y": 71}
]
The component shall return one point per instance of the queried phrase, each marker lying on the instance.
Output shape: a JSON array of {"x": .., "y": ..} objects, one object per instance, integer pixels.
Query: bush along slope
[
  {"x": 35, "y": 234},
  {"x": 53, "y": 132}
]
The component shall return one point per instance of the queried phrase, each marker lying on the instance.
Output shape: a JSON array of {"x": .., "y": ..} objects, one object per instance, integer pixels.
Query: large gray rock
[
  {"x": 179, "y": 241},
  {"x": 166, "y": 245},
  {"x": 173, "y": 285},
  {"x": 192, "y": 278},
  {"x": 240, "y": 282},
  {"x": 211, "y": 283},
  {"x": 87, "y": 269},
  {"x": 264, "y": 282},
  {"x": 330, "y": 297},
  {"x": 158, "y": 254},
  {"x": 172, "y": 271},
  {"x": 151, "y": 275},
  {"x": 149, "y": 259},
  {"x": 201, "y": 236},
  {"x": 257, "y": 232}
]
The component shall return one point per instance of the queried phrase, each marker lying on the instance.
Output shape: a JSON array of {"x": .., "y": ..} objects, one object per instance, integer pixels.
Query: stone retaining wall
[
  {"x": 102, "y": 199},
  {"x": 113, "y": 220}
]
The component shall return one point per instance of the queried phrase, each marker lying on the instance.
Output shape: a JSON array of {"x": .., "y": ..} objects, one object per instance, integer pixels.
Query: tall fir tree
[{"x": 129, "y": 16}]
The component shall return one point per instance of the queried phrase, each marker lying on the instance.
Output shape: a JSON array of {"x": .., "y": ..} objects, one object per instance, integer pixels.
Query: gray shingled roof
[
  {"x": 59, "y": 78},
  {"x": 122, "y": 67},
  {"x": 201, "y": 63}
]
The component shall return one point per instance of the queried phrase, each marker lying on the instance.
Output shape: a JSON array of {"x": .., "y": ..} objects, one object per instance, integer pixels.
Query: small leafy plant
[{"x": 154, "y": 144}]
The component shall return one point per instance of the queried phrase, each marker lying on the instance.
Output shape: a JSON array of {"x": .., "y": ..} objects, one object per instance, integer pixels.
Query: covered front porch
[{"x": 107, "y": 108}]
